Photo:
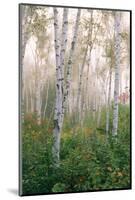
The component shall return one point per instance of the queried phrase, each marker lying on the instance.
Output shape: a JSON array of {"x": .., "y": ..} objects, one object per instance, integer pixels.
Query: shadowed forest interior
[{"x": 75, "y": 99}]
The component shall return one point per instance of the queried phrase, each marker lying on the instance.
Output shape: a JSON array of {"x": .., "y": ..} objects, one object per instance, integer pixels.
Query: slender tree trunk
[
  {"x": 61, "y": 98},
  {"x": 94, "y": 106},
  {"x": 47, "y": 92},
  {"x": 31, "y": 99},
  {"x": 38, "y": 102},
  {"x": 27, "y": 100},
  {"x": 60, "y": 55},
  {"x": 120, "y": 81},
  {"x": 24, "y": 36},
  {"x": 64, "y": 35},
  {"x": 79, "y": 106},
  {"x": 89, "y": 56},
  {"x": 117, "y": 66},
  {"x": 57, "y": 125},
  {"x": 70, "y": 59},
  {"x": 99, "y": 113},
  {"x": 108, "y": 103},
  {"x": 128, "y": 65},
  {"x": 37, "y": 88},
  {"x": 24, "y": 30},
  {"x": 47, "y": 83},
  {"x": 87, "y": 77}
]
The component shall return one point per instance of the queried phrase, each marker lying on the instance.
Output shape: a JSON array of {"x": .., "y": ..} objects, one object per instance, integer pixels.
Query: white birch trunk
[
  {"x": 56, "y": 132},
  {"x": 60, "y": 56},
  {"x": 24, "y": 36},
  {"x": 94, "y": 102},
  {"x": 99, "y": 113},
  {"x": 47, "y": 92},
  {"x": 87, "y": 77},
  {"x": 24, "y": 30},
  {"x": 79, "y": 106},
  {"x": 46, "y": 74},
  {"x": 23, "y": 39},
  {"x": 89, "y": 57},
  {"x": 61, "y": 98},
  {"x": 70, "y": 60},
  {"x": 108, "y": 103},
  {"x": 31, "y": 98},
  {"x": 38, "y": 102},
  {"x": 117, "y": 66}
]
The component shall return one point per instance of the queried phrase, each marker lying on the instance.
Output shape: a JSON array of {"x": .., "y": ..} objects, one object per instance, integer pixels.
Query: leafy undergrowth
[{"x": 88, "y": 161}]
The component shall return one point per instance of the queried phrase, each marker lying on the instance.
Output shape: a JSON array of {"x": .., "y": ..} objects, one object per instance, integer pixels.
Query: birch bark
[
  {"x": 60, "y": 56},
  {"x": 117, "y": 66},
  {"x": 70, "y": 59},
  {"x": 24, "y": 36},
  {"x": 56, "y": 132},
  {"x": 108, "y": 103},
  {"x": 47, "y": 95},
  {"x": 99, "y": 113},
  {"x": 61, "y": 96},
  {"x": 38, "y": 103},
  {"x": 80, "y": 82}
]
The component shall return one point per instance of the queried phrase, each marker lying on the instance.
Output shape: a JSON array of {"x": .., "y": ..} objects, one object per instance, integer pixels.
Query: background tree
[{"x": 117, "y": 66}]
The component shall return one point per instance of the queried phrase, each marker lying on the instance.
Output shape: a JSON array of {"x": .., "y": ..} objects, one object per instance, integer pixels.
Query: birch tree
[
  {"x": 56, "y": 133},
  {"x": 59, "y": 54},
  {"x": 33, "y": 24},
  {"x": 108, "y": 103},
  {"x": 110, "y": 55},
  {"x": 47, "y": 94},
  {"x": 38, "y": 100},
  {"x": 24, "y": 36},
  {"x": 64, "y": 35},
  {"x": 70, "y": 59},
  {"x": 61, "y": 95},
  {"x": 117, "y": 66},
  {"x": 26, "y": 19},
  {"x": 80, "y": 82}
]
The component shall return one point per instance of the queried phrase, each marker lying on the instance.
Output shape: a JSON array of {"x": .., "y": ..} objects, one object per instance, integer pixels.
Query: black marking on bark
[
  {"x": 63, "y": 50},
  {"x": 73, "y": 45},
  {"x": 57, "y": 86},
  {"x": 69, "y": 62},
  {"x": 56, "y": 124},
  {"x": 60, "y": 79},
  {"x": 66, "y": 22}
]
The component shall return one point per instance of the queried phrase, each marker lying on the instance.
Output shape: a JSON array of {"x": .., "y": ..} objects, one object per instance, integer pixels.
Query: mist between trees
[{"x": 75, "y": 98}]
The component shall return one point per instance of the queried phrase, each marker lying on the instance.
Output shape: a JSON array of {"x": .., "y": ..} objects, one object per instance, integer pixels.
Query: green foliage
[
  {"x": 36, "y": 152},
  {"x": 87, "y": 163},
  {"x": 58, "y": 187}
]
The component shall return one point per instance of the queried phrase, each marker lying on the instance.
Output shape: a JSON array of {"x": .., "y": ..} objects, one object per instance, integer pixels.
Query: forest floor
[{"x": 89, "y": 160}]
